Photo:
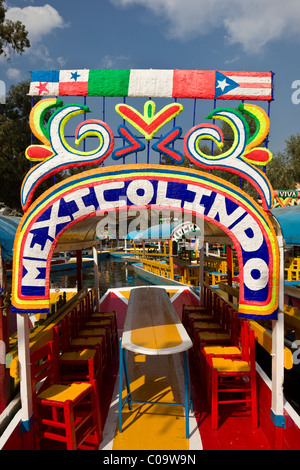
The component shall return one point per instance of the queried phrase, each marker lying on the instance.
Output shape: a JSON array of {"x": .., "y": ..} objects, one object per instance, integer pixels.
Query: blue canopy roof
[
  {"x": 158, "y": 231},
  {"x": 8, "y": 228},
  {"x": 289, "y": 221},
  {"x": 134, "y": 235},
  {"x": 155, "y": 232}
]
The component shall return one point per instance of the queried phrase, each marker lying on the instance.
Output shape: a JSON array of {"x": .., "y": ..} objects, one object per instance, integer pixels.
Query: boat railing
[
  {"x": 43, "y": 333},
  {"x": 263, "y": 335},
  {"x": 39, "y": 336},
  {"x": 157, "y": 267},
  {"x": 215, "y": 264},
  {"x": 291, "y": 269}
]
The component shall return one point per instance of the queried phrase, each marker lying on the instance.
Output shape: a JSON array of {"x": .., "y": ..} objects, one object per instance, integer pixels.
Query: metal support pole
[
  {"x": 229, "y": 257},
  {"x": 201, "y": 286},
  {"x": 96, "y": 276},
  {"x": 186, "y": 395},
  {"x": 25, "y": 374},
  {"x": 79, "y": 269},
  {"x": 278, "y": 349},
  {"x": 120, "y": 384},
  {"x": 123, "y": 365}
]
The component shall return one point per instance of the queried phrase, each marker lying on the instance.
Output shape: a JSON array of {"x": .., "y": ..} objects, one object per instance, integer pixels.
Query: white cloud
[
  {"x": 38, "y": 21},
  {"x": 252, "y": 24},
  {"x": 109, "y": 61},
  {"x": 14, "y": 74}
]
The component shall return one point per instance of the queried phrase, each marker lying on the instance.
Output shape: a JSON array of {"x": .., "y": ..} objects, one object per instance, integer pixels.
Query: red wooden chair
[
  {"x": 82, "y": 334},
  {"x": 107, "y": 325},
  {"x": 114, "y": 326},
  {"x": 238, "y": 350},
  {"x": 100, "y": 334},
  {"x": 224, "y": 336},
  {"x": 81, "y": 317},
  {"x": 83, "y": 364},
  {"x": 188, "y": 310},
  {"x": 233, "y": 381},
  {"x": 65, "y": 413}
]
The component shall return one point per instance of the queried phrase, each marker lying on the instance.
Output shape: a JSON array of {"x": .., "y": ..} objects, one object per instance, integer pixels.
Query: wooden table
[{"x": 152, "y": 327}]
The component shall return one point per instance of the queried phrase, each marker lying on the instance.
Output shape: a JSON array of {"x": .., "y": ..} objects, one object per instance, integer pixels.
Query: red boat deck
[{"x": 234, "y": 432}]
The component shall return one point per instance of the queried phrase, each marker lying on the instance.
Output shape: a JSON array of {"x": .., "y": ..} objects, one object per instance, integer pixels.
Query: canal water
[{"x": 112, "y": 273}]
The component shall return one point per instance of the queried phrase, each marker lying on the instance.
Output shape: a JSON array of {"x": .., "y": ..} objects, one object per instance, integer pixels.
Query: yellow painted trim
[{"x": 264, "y": 338}]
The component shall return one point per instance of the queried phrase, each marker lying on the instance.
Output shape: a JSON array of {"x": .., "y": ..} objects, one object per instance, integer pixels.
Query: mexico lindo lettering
[
  {"x": 100, "y": 191},
  {"x": 164, "y": 187}
]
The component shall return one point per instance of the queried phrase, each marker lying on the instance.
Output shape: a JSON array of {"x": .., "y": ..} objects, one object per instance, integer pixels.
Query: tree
[
  {"x": 13, "y": 35},
  {"x": 283, "y": 171},
  {"x": 14, "y": 139},
  {"x": 291, "y": 157}
]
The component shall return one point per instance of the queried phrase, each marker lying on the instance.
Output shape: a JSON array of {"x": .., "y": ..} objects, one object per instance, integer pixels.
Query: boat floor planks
[{"x": 149, "y": 426}]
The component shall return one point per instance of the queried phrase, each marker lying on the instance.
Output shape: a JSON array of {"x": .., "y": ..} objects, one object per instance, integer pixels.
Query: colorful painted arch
[{"x": 119, "y": 188}]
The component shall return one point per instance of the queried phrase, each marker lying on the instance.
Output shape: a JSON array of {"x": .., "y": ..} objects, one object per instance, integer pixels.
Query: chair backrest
[
  {"x": 82, "y": 313},
  {"x": 204, "y": 292},
  {"x": 209, "y": 300},
  {"x": 75, "y": 321},
  {"x": 62, "y": 334},
  {"x": 233, "y": 325},
  {"x": 223, "y": 315},
  {"x": 215, "y": 304},
  {"x": 218, "y": 306},
  {"x": 252, "y": 349},
  {"x": 44, "y": 366},
  {"x": 90, "y": 301}
]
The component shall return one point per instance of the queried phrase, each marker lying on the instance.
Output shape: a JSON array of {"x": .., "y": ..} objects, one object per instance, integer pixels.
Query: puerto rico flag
[
  {"x": 198, "y": 84},
  {"x": 243, "y": 86}
]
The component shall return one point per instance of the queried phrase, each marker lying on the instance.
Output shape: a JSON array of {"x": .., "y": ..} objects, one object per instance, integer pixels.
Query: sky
[{"x": 232, "y": 35}]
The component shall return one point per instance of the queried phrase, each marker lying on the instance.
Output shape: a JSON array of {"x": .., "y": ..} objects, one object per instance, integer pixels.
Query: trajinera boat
[{"x": 153, "y": 368}]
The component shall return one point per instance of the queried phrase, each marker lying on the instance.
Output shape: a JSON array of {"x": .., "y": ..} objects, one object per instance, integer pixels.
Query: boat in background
[{"x": 63, "y": 261}]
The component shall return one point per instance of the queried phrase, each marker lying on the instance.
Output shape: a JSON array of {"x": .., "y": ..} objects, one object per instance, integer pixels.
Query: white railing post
[
  {"x": 24, "y": 370},
  {"x": 96, "y": 276},
  {"x": 278, "y": 349}
]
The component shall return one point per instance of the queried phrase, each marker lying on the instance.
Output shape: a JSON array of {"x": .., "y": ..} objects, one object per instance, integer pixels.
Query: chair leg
[
  {"x": 214, "y": 400},
  {"x": 70, "y": 426},
  {"x": 97, "y": 414},
  {"x": 254, "y": 411}
]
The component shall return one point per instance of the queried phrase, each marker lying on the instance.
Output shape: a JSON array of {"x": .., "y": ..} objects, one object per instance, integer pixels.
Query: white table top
[{"x": 152, "y": 325}]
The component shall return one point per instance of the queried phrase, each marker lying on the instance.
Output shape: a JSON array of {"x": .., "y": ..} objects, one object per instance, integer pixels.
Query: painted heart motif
[{"x": 149, "y": 123}]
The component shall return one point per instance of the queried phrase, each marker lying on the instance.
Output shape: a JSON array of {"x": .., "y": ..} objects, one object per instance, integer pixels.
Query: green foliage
[
  {"x": 14, "y": 139},
  {"x": 283, "y": 171},
  {"x": 13, "y": 35}
]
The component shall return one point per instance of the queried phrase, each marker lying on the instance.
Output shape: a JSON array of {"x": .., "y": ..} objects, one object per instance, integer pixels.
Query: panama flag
[{"x": 59, "y": 83}]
